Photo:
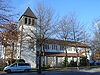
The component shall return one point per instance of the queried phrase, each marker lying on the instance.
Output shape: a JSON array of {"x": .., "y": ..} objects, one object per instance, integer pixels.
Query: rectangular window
[
  {"x": 56, "y": 47},
  {"x": 48, "y": 47},
  {"x": 23, "y": 64},
  {"x": 52, "y": 46},
  {"x": 45, "y": 46},
  {"x": 32, "y": 22},
  {"x": 69, "y": 49},
  {"x": 61, "y": 47},
  {"x": 29, "y": 21},
  {"x": 25, "y": 20}
]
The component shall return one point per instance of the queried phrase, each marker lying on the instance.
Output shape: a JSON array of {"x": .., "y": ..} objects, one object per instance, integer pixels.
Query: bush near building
[
  {"x": 72, "y": 64},
  {"x": 65, "y": 62},
  {"x": 84, "y": 61}
]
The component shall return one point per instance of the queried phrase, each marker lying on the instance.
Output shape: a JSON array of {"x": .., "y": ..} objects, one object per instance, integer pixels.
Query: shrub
[
  {"x": 20, "y": 60},
  {"x": 65, "y": 63},
  {"x": 72, "y": 64},
  {"x": 45, "y": 67},
  {"x": 84, "y": 61}
]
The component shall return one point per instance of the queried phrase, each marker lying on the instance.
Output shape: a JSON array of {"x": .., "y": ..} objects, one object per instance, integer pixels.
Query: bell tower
[
  {"x": 28, "y": 18},
  {"x": 26, "y": 40}
]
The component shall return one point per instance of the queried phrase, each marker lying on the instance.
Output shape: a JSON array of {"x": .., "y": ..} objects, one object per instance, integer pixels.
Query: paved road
[
  {"x": 56, "y": 73},
  {"x": 91, "y": 70}
]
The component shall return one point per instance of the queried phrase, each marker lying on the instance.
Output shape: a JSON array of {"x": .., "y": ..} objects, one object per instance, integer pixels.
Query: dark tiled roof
[{"x": 29, "y": 13}]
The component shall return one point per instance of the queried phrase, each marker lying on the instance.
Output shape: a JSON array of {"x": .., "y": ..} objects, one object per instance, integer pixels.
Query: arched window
[
  {"x": 29, "y": 21},
  {"x": 25, "y": 20}
]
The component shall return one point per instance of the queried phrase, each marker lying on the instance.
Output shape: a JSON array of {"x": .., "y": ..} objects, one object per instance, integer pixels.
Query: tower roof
[{"x": 29, "y": 13}]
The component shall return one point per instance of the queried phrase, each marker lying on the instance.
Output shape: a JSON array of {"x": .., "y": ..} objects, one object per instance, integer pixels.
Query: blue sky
[{"x": 86, "y": 10}]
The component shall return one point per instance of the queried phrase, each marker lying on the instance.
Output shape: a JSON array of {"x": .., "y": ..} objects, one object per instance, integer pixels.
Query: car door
[
  {"x": 20, "y": 67},
  {"x": 13, "y": 67}
]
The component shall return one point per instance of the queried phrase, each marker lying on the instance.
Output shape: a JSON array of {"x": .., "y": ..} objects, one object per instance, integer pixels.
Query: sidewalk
[{"x": 91, "y": 70}]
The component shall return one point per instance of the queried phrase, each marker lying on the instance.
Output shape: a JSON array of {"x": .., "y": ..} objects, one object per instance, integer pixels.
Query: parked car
[
  {"x": 97, "y": 63},
  {"x": 17, "y": 67}
]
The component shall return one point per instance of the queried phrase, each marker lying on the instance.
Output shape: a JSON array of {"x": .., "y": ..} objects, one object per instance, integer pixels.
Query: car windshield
[{"x": 14, "y": 65}]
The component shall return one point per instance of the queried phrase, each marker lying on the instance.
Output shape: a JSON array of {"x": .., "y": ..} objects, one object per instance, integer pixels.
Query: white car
[{"x": 17, "y": 67}]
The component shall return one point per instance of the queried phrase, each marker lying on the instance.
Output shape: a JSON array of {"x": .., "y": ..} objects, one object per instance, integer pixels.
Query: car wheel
[{"x": 9, "y": 71}]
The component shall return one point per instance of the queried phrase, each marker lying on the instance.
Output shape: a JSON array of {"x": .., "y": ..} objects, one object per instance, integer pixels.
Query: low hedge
[{"x": 20, "y": 60}]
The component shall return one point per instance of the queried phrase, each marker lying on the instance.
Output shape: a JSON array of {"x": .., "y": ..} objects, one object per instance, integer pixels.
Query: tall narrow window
[
  {"x": 48, "y": 47},
  {"x": 52, "y": 46},
  {"x": 25, "y": 20},
  {"x": 29, "y": 21},
  {"x": 32, "y": 22},
  {"x": 56, "y": 47}
]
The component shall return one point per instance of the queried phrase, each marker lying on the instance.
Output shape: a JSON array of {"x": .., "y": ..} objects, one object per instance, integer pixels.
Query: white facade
[
  {"x": 57, "y": 60},
  {"x": 26, "y": 42}
]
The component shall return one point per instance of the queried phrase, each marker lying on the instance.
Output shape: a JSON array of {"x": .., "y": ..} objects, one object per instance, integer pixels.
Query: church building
[{"x": 53, "y": 49}]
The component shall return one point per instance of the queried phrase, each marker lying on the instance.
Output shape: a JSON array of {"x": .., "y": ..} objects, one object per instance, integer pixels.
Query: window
[
  {"x": 56, "y": 47},
  {"x": 74, "y": 48},
  {"x": 46, "y": 46},
  {"x": 32, "y": 22},
  {"x": 23, "y": 64},
  {"x": 29, "y": 21},
  {"x": 69, "y": 49},
  {"x": 61, "y": 47},
  {"x": 52, "y": 46},
  {"x": 14, "y": 65},
  {"x": 25, "y": 20}
]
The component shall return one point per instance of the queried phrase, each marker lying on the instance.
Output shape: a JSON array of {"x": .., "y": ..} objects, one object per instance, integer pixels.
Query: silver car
[{"x": 18, "y": 67}]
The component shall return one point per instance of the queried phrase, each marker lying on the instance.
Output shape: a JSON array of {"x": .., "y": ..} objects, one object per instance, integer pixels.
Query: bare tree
[
  {"x": 46, "y": 26},
  {"x": 64, "y": 31},
  {"x": 5, "y": 12},
  {"x": 76, "y": 34},
  {"x": 72, "y": 30},
  {"x": 95, "y": 42},
  {"x": 8, "y": 27},
  {"x": 97, "y": 34},
  {"x": 9, "y": 38}
]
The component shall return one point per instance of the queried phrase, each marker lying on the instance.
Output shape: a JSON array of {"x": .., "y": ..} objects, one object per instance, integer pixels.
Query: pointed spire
[{"x": 29, "y": 13}]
